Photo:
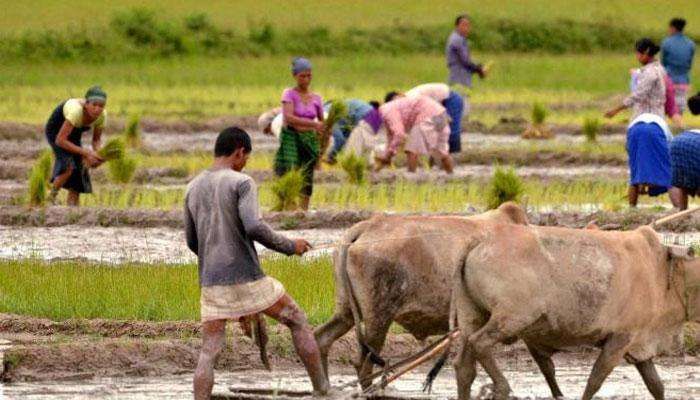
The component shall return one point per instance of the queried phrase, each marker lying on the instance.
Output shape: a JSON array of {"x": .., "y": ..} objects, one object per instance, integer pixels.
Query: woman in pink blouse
[{"x": 421, "y": 125}]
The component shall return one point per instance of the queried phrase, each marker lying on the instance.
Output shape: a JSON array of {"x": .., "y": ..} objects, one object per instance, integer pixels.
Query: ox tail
[
  {"x": 440, "y": 363},
  {"x": 349, "y": 239}
]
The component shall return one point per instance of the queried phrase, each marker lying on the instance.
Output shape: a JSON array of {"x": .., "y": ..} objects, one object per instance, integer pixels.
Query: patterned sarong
[
  {"x": 298, "y": 150},
  {"x": 232, "y": 302}
]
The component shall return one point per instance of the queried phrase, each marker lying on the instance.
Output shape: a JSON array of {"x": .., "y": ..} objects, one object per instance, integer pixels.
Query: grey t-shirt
[{"x": 222, "y": 219}]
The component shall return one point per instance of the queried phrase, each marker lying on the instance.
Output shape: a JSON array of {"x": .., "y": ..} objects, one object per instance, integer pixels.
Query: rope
[{"x": 354, "y": 244}]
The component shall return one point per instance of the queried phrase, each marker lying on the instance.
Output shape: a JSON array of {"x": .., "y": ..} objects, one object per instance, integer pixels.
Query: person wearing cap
[
  {"x": 64, "y": 131},
  {"x": 300, "y": 145},
  {"x": 685, "y": 161}
]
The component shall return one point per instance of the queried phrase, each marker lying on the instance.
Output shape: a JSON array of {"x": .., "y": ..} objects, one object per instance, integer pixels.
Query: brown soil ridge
[
  {"x": 47, "y": 350},
  {"x": 288, "y": 220}
]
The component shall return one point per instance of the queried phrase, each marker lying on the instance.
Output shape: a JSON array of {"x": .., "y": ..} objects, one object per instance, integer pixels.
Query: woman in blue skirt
[{"x": 648, "y": 157}]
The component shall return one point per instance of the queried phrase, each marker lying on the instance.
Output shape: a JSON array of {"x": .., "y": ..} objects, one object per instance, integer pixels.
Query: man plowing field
[{"x": 222, "y": 220}]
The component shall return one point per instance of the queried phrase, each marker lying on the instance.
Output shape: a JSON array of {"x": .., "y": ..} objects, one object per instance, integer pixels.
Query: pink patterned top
[
  {"x": 312, "y": 109},
  {"x": 402, "y": 114}
]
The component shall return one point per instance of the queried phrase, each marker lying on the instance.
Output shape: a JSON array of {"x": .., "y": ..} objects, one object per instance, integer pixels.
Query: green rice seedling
[
  {"x": 539, "y": 113},
  {"x": 132, "y": 132},
  {"x": 113, "y": 149},
  {"x": 336, "y": 112},
  {"x": 45, "y": 162},
  {"x": 505, "y": 186},
  {"x": 287, "y": 190},
  {"x": 121, "y": 170},
  {"x": 354, "y": 166},
  {"x": 591, "y": 128},
  {"x": 37, "y": 186}
]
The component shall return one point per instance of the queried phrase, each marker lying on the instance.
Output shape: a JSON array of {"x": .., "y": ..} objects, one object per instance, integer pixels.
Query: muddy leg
[
  {"x": 374, "y": 337},
  {"x": 632, "y": 195},
  {"x": 543, "y": 359},
  {"x": 496, "y": 330},
  {"x": 213, "y": 334},
  {"x": 611, "y": 355},
  {"x": 412, "y": 161},
  {"x": 651, "y": 378},
  {"x": 73, "y": 198},
  {"x": 288, "y": 313},
  {"x": 329, "y": 332},
  {"x": 465, "y": 369}
]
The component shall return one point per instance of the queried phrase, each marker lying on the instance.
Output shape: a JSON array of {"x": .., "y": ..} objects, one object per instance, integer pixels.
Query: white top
[
  {"x": 436, "y": 91},
  {"x": 649, "y": 118}
]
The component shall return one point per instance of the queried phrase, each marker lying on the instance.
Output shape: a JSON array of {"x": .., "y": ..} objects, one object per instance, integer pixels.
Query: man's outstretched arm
[{"x": 255, "y": 227}]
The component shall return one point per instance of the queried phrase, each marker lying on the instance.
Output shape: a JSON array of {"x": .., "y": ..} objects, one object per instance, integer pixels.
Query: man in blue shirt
[
  {"x": 357, "y": 111},
  {"x": 459, "y": 60},
  {"x": 677, "y": 52}
]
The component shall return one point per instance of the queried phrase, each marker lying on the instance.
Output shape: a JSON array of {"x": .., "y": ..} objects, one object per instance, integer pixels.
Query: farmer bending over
[
  {"x": 64, "y": 132},
  {"x": 422, "y": 123},
  {"x": 222, "y": 219}
]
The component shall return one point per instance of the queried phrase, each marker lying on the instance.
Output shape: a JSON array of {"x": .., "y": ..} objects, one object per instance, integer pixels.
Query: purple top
[
  {"x": 374, "y": 119},
  {"x": 311, "y": 110}
]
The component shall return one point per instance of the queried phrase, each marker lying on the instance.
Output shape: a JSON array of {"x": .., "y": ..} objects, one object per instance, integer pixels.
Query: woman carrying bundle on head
[
  {"x": 302, "y": 124},
  {"x": 64, "y": 131}
]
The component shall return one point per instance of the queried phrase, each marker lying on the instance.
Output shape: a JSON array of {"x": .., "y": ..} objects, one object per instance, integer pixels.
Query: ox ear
[
  {"x": 513, "y": 213},
  {"x": 686, "y": 253}
]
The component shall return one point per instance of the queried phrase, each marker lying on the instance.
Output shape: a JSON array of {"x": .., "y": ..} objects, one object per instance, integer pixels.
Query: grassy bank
[
  {"x": 65, "y": 290},
  {"x": 200, "y": 88}
]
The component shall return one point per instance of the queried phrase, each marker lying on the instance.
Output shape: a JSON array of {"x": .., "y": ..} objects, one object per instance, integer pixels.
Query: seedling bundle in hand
[
  {"x": 113, "y": 149},
  {"x": 337, "y": 111},
  {"x": 121, "y": 166}
]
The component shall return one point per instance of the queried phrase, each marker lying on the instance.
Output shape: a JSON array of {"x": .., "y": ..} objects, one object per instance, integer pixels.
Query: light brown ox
[
  {"x": 557, "y": 287},
  {"x": 400, "y": 269}
]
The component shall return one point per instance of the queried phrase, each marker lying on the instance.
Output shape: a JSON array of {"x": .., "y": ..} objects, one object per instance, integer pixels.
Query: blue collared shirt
[
  {"x": 677, "y": 53},
  {"x": 459, "y": 60}
]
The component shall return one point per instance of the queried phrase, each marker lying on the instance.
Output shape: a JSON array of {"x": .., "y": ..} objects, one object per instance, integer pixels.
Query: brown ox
[
  {"x": 556, "y": 288},
  {"x": 400, "y": 269}
]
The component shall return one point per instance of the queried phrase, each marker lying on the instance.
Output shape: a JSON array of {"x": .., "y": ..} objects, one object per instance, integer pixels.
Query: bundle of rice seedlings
[
  {"x": 354, "y": 166},
  {"x": 537, "y": 129},
  {"x": 121, "y": 170},
  {"x": 132, "y": 132},
  {"x": 45, "y": 163},
  {"x": 505, "y": 185},
  {"x": 113, "y": 149},
  {"x": 287, "y": 190},
  {"x": 591, "y": 128},
  {"x": 37, "y": 187},
  {"x": 337, "y": 111}
]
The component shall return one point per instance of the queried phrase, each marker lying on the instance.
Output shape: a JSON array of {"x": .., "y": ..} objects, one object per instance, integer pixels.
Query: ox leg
[
  {"x": 329, "y": 332},
  {"x": 465, "y": 369},
  {"x": 375, "y": 336},
  {"x": 612, "y": 354},
  {"x": 651, "y": 378},
  {"x": 543, "y": 358}
]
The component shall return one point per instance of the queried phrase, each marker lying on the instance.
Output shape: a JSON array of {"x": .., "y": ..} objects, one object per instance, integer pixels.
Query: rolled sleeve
[
  {"x": 190, "y": 230},
  {"x": 255, "y": 227}
]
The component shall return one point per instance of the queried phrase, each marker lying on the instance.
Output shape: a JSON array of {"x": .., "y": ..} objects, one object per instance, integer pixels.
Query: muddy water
[
  {"x": 118, "y": 244},
  {"x": 624, "y": 383},
  {"x": 153, "y": 245}
]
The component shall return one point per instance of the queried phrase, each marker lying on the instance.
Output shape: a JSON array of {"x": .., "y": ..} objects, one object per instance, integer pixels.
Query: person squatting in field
[
  {"x": 419, "y": 124},
  {"x": 685, "y": 161},
  {"x": 222, "y": 221},
  {"x": 300, "y": 145},
  {"x": 64, "y": 131}
]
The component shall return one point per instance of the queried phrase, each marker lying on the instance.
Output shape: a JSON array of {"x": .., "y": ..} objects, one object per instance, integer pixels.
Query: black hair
[
  {"x": 374, "y": 104},
  {"x": 678, "y": 23},
  {"x": 230, "y": 140},
  {"x": 460, "y": 17},
  {"x": 647, "y": 46},
  {"x": 390, "y": 96},
  {"x": 694, "y": 104}
]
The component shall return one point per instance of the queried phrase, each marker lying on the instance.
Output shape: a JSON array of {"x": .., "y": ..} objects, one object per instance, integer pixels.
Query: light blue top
[
  {"x": 677, "y": 53},
  {"x": 459, "y": 60}
]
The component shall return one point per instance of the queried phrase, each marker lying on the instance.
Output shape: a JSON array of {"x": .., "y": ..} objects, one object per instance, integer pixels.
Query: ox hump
[{"x": 513, "y": 213}]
